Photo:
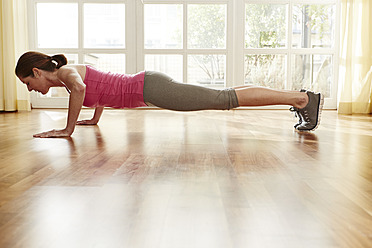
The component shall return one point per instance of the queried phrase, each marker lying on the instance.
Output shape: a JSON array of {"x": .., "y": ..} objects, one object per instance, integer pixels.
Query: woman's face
[{"x": 37, "y": 83}]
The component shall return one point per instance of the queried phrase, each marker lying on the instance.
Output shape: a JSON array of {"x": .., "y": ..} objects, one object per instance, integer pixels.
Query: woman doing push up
[{"x": 93, "y": 88}]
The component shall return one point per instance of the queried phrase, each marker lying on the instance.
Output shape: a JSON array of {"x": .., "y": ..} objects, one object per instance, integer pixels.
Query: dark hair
[{"x": 30, "y": 60}]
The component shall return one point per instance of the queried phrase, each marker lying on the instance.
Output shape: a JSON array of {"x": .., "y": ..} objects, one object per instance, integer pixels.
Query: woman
[{"x": 92, "y": 88}]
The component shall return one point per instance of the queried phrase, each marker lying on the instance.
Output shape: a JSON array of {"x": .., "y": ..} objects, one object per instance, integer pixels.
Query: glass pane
[
  {"x": 206, "y": 25},
  {"x": 163, "y": 26},
  {"x": 267, "y": 70},
  {"x": 106, "y": 62},
  {"x": 207, "y": 70},
  {"x": 104, "y": 25},
  {"x": 265, "y": 25},
  {"x": 313, "y": 72},
  {"x": 60, "y": 91},
  {"x": 52, "y": 35},
  {"x": 313, "y": 26},
  {"x": 168, "y": 64}
]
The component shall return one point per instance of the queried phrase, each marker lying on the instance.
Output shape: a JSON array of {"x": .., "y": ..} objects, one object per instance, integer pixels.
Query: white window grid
[
  {"x": 130, "y": 45},
  {"x": 185, "y": 51},
  {"x": 234, "y": 50}
]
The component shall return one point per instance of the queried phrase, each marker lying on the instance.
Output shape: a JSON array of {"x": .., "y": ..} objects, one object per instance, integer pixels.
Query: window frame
[
  {"x": 185, "y": 51},
  {"x": 330, "y": 102},
  {"x": 39, "y": 101},
  {"x": 234, "y": 51}
]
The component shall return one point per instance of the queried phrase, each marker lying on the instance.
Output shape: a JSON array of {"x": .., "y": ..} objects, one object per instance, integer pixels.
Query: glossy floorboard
[{"x": 156, "y": 178}]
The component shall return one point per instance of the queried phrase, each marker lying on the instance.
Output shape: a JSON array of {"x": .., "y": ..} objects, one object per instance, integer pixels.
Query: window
[
  {"x": 47, "y": 14},
  {"x": 283, "y": 44},
  {"x": 292, "y": 45},
  {"x": 187, "y": 41},
  {"x": 313, "y": 29},
  {"x": 87, "y": 32}
]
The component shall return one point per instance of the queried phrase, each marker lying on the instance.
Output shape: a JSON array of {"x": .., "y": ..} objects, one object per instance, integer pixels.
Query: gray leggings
[{"x": 164, "y": 92}]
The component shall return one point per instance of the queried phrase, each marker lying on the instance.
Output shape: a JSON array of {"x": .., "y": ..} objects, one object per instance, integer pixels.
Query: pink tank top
[{"x": 105, "y": 89}]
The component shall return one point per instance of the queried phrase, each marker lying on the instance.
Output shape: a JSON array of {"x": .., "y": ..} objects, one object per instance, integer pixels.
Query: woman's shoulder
[{"x": 81, "y": 69}]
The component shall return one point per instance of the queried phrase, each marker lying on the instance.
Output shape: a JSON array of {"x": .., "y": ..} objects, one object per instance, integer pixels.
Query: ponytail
[
  {"x": 30, "y": 60},
  {"x": 60, "y": 59}
]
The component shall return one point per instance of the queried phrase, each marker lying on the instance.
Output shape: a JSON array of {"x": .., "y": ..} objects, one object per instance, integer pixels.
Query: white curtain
[
  {"x": 355, "y": 87},
  {"x": 13, "y": 43}
]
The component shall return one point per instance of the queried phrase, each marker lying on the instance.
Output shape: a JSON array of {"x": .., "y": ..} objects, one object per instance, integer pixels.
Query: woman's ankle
[{"x": 301, "y": 101}]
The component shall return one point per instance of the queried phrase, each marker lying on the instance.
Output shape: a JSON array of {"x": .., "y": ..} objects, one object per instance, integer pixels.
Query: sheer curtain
[
  {"x": 355, "y": 87},
  {"x": 13, "y": 42}
]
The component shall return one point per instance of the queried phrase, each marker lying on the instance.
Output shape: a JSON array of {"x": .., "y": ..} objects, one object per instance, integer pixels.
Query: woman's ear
[{"x": 36, "y": 72}]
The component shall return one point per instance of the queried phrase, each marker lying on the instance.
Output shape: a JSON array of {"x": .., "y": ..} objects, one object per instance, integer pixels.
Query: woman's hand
[
  {"x": 95, "y": 119},
  {"x": 87, "y": 122},
  {"x": 53, "y": 134}
]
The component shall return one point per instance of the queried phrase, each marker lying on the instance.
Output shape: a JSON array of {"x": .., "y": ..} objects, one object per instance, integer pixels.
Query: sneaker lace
[
  {"x": 295, "y": 111},
  {"x": 305, "y": 115}
]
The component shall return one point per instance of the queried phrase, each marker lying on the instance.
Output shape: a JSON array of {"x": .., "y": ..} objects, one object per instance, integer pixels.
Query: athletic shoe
[{"x": 311, "y": 113}]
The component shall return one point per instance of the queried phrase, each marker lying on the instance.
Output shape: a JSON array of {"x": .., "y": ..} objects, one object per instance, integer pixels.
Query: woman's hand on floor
[
  {"x": 87, "y": 122},
  {"x": 53, "y": 134}
]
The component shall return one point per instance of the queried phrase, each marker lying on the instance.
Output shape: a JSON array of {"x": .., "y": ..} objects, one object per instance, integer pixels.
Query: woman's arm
[
  {"x": 95, "y": 119},
  {"x": 72, "y": 79}
]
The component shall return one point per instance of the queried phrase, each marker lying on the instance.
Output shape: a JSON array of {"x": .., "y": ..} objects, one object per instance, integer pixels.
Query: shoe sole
[{"x": 319, "y": 115}]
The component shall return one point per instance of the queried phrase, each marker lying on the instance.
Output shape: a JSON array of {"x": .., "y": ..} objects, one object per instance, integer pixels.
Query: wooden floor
[{"x": 209, "y": 179}]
